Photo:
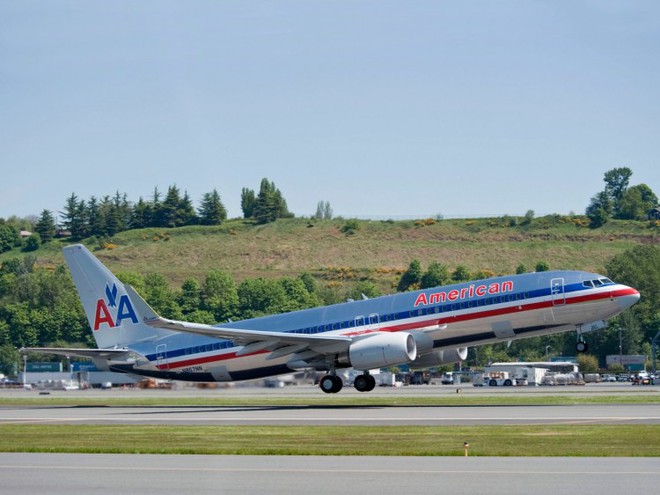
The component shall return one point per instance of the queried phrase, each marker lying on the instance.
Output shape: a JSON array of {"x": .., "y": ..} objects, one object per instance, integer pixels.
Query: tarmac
[{"x": 59, "y": 474}]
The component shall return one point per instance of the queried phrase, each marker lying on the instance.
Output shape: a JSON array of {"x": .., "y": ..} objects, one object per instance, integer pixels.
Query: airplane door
[
  {"x": 374, "y": 322},
  {"x": 161, "y": 357},
  {"x": 557, "y": 292}
]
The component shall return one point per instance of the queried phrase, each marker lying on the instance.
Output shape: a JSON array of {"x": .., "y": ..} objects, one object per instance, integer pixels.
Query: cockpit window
[{"x": 597, "y": 282}]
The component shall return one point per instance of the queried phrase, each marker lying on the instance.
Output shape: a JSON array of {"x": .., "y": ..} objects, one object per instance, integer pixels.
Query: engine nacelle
[
  {"x": 440, "y": 357},
  {"x": 384, "y": 349}
]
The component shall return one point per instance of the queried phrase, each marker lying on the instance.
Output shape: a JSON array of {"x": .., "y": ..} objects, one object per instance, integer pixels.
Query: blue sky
[{"x": 383, "y": 108}]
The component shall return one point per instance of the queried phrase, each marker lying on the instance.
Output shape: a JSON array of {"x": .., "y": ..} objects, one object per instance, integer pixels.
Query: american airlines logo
[
  {"x": 470, "y": 291},
  {"x": 124, "y": 309}
]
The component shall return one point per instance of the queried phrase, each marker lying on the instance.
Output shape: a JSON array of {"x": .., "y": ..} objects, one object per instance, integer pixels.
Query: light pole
[
  {"x": 620, "y": 347},
  {"x": 24, "y": 370}
]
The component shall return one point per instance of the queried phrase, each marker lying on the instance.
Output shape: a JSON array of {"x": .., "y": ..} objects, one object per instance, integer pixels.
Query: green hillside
[{"x": 375, "y": 250}]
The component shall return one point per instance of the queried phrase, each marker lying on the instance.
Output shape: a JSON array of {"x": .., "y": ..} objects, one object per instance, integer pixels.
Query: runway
[
  {"x": 60, "y": 474},
  {"x": 101, "y": 474},
  {"x": 335, "y": 415},
  {"x": 330, "y": 414}
]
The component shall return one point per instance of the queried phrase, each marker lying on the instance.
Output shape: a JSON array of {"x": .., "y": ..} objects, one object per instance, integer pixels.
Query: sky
[{"x": 385, "y": 109}]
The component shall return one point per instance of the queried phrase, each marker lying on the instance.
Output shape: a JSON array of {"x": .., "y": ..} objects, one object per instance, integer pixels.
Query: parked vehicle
[
  {"x": 498, "y": 379},
  {"x": 447, "y": 378}
]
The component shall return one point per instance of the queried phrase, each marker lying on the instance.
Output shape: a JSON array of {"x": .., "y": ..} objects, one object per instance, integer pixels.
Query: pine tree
[
  {"x": 167, "y": 213},
  {"x": 74, "y": 217},
  {"x": 186, "y": 214},
  {"x": 45, "y": 227},
  {"x": 212, "y": 211},
  {"x": 270, "y": 204}
]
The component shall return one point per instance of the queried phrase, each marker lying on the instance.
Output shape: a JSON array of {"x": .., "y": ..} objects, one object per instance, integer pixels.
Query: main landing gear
[
  {"x": 331, "y": 384},
  {"x": 364, "y": 382}
]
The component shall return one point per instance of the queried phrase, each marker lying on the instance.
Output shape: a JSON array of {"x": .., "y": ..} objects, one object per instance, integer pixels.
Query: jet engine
[
  {"x": 384, "y": 349},
  {"x": 440, "y": 357}
]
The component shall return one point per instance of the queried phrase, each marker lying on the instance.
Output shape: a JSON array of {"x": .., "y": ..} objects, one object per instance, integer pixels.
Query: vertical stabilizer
[{"x": 110, "y": 312}]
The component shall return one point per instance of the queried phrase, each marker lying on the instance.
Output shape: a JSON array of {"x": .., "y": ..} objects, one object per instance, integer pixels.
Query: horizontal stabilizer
[{"x": 80, "y": 352}]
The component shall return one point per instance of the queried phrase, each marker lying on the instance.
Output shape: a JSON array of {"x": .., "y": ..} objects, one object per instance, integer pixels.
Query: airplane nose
[{"x": 629, "y": 297}]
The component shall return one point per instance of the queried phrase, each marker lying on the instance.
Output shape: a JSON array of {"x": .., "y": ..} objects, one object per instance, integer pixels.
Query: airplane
[{"x": 421, "y": 329}]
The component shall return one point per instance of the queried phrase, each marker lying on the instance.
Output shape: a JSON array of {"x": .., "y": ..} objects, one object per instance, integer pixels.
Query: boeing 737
[{"x": 421, "y": 329}]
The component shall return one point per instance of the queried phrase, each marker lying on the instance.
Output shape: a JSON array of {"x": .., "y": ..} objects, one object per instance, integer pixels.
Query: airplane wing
[
  {"x": 280, "y": 344},
  {"x": 81, "y": 352}
]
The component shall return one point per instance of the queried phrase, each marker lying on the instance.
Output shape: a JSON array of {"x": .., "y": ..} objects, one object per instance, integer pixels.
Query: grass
[
  {"x": 550, "y": 440},
  {"x": 376, "y": 251}
]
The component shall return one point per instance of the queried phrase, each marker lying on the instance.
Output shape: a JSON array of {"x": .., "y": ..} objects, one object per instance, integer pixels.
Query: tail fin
[{"x": 109, "y": 309}]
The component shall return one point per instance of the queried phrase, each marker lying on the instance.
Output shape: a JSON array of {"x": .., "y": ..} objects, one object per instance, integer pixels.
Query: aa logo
[{"x": 121, "y": 310}]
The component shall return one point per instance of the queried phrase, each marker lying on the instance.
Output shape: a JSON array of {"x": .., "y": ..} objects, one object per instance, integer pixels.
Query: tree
[
  {"x": 190, "y": 298},
  {"x": 639, "y": 267},
  {"x": 141, "y": 215},
  {"x": 529, "y": 216},
  {"x": 32, "y": 243},
  {"x": 259, "y": 296},
  {"x": 8, "y": 237},
  {"x": 364, "y": 288},
  {"x": 411, "y": 277},
  {"x": 323, "y": 211},
  {"x": 636, "y": 202},
  {"x": 248, "y": 202},
  {"x": 45, "y": 227},
  {"x": 619, "y": 201},
  {"x": 588, "y": 363},
  {"x": 270, "y": 204},
  {"x": 599, "y": 210},
  {"x": 155, "y": 209},
  {"x": 74, "y": 217},
  {"x": 211, "y": 210},
  {"x": 9, "y": 358},
  {"x": 95, "y": 218},
  {"x": 185, "y": 214},
  {"x": 616, "y": 184},
  {"x": 167, "y": 213},
  {"x": 436, "y": 275},
  {"x": 159, "y": 295},
  {"x": 461, "y": 274},
  {"x": 542, "y": 266},
  {"x": 219, "y": 295}
]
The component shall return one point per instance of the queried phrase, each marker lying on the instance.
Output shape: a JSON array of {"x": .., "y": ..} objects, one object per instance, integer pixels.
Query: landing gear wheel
[
  {"x": 364, "y": 383},
  {"x": 581, "y": 346},
  {"x": 331, "y": 384}
]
